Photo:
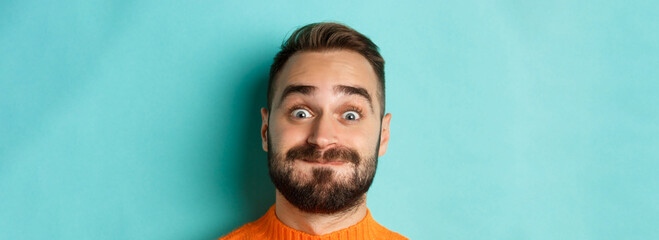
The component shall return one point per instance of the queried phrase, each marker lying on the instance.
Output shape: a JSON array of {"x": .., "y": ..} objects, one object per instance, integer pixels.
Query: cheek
[
  {"x": 285, "y": 136},
  {"x": 362, "y": 139}
]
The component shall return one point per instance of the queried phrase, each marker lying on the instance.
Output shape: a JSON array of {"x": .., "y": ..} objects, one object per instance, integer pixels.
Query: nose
[{"x": 323, "y": 133}]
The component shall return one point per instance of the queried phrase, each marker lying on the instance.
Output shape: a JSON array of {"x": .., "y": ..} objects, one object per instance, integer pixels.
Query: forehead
[{"x": 326, "y": 69}]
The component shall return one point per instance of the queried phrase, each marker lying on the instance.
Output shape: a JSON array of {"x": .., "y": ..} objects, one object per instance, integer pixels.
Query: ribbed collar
[{"x": 272, "y": 226}]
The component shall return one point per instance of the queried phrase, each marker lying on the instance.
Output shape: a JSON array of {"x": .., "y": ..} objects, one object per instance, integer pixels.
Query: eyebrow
[
  {"x": 344, "y": 89},
  {"x": 359, "y": 91},
  {"x": 303, "y": 89}
]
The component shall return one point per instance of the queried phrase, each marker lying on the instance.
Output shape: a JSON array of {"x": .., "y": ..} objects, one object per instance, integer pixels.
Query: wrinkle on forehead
[
  {"x": 351, "y": 66},
  {"x": 326, "y": 69}
]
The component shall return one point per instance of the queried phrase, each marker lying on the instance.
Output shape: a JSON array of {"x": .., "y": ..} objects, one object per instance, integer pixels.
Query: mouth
[{"x": 324, "y": 162}]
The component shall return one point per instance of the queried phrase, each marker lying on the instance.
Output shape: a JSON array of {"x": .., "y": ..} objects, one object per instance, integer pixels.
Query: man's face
[{"x": 324, "y": 132}]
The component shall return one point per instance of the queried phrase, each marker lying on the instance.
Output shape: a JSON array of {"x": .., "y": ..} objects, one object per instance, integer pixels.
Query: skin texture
[{"x": 326, "y": 124}]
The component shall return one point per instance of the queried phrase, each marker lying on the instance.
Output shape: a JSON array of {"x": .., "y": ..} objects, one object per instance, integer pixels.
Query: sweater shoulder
[
  {"x": 244, "y": 232},
  {"x": 390, "y": 235},
  {"x": 385, "y": 233},
  {"x": 396, "y": 236},
  {"x": 252, "y": 230}
]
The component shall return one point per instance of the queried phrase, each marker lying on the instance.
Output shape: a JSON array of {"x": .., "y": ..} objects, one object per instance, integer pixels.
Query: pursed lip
[{"x": 324, "y": 162}]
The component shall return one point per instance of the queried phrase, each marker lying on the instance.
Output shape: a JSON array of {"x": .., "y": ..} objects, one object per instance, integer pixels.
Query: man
[{"x": 323, "y": 130}]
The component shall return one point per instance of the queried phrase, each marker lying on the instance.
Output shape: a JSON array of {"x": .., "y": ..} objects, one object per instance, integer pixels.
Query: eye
[
  {"x": 300, "y": 113},
  {"x": 351, "y": 115}
]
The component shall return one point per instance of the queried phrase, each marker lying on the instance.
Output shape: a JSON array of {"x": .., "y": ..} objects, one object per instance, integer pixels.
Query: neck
[{"x": 317, "y": 223}]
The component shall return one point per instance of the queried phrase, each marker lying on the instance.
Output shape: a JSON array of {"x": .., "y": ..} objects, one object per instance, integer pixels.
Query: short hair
[{"x": 328, "y": 36}]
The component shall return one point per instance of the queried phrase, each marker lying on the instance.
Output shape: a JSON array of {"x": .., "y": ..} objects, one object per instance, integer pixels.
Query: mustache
[{"x": 312, "y": 153}]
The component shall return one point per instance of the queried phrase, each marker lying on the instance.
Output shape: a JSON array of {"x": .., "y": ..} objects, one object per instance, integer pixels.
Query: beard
[{"x": 322, "y": 192}]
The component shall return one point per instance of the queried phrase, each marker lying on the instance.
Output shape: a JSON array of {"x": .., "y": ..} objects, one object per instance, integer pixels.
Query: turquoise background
[{"x": 511, "y": 119}]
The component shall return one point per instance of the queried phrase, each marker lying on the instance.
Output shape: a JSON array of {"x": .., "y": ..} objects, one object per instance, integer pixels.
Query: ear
[
  {"x": 264, "y": 128},
  {"x": 384, "y": 134}
]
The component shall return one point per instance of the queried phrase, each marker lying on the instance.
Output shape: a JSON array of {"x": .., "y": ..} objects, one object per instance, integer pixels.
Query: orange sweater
[{"x": 269, "y": 227}]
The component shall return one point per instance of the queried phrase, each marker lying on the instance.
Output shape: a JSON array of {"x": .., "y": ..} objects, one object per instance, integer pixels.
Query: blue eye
[
  {"x": 351, "y": 115},
  {"x": 300, "y": 113}
]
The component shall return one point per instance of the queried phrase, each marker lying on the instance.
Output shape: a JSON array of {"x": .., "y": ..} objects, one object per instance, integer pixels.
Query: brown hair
[{"x": 328, "y": 36}]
